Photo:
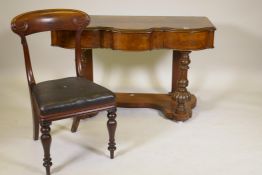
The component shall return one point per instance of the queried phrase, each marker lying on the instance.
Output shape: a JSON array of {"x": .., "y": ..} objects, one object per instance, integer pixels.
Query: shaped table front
[{"x": 142, "y": 33}]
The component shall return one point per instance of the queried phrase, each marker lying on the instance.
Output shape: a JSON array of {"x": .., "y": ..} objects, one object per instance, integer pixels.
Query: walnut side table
[{"x": 142, "y": 33}]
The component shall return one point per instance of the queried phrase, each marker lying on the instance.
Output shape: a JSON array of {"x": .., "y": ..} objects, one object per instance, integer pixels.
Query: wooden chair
[{"x": 67, "y": 97}]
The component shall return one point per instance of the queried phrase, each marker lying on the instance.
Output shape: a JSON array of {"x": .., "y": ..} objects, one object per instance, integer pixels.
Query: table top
[
  {"x": 139, "y": 33},
  {"x": 151, "y": 22}
]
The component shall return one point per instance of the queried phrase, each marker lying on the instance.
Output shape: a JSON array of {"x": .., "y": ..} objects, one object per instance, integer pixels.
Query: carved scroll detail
[
  {"x": 19, "y": 28},
  {"x": 81, "y": 22}
]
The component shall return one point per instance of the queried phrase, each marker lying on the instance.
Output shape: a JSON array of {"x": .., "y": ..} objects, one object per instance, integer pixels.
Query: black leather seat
[{"x": 69, "y": 93}]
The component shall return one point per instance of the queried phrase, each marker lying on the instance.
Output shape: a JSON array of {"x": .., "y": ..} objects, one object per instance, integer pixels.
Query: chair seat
[{"x": 70, "y": 93}]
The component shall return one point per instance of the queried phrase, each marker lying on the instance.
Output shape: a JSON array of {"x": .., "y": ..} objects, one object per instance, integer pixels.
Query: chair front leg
[
  {"x": 46, "y": 142},
  {"x": 111, "y": 126}
]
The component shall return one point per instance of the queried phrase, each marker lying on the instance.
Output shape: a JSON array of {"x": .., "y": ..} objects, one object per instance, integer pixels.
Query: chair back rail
[{"x": 49, "y": 20}]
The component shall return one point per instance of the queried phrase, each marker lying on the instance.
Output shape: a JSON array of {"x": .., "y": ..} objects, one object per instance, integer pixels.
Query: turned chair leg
[
  {"x": 46, "y": 142},
  {"x": 111, "y": 126}
]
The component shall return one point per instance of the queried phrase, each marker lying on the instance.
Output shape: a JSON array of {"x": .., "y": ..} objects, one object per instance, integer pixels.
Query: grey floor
[{"x": 223, "y": 137}]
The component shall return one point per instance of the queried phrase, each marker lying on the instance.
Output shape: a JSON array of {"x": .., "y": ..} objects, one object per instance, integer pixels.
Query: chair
[{"x": 70, "y": 97}]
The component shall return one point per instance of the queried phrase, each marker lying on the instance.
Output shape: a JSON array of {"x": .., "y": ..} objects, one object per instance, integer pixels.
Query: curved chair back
[{"x": 49, "y": 20}]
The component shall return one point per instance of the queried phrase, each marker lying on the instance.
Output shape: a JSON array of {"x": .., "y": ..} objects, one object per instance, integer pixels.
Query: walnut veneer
[{"x": 141, "y": 33}]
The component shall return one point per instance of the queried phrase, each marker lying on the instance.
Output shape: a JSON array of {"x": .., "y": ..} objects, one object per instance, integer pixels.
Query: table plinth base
[{"x": 162, "y": 102}]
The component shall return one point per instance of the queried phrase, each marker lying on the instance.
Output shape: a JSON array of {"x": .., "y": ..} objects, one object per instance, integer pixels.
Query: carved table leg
[
  {"x": 87, "y": 64},
  {"x": 46, "y": 142},
  {"x": 184, "y": 101},
  {"x": 111, "y": 126},
  {"x": 87, "y": 72},
  {"x": 175, "y": 70}
]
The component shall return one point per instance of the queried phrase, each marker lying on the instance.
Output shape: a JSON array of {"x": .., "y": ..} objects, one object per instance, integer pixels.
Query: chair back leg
[
  {"x": 76, "y": 121},
  {"x": 35, "y": 124},
  {"x": 75, "y": 124}
]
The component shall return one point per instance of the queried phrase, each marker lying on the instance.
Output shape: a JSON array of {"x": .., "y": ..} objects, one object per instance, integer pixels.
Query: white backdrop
[
  {"x": 238, "y": 40},
  {"x": 224, "y": 135}
]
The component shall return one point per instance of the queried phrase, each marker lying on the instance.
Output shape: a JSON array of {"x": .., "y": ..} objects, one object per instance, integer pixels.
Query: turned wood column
[
  {"x": 111, "y": 126},
  {"x": 175, "y": 70},
  {"x": 46, "y": 142},
  {"x": 180, "y": 95}
]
